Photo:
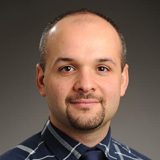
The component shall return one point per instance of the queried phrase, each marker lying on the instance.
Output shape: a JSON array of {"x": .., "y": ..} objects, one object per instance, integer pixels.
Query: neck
[
  {"x": 86, "y": 137},
  {"x": 93, "y": 137}
]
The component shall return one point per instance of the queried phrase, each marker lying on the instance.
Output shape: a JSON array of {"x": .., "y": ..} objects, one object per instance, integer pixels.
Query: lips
[{"x": 84, "y": 103}]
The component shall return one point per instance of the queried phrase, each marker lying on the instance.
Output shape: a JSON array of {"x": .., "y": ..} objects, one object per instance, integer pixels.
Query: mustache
[{"x": 84, "y": 96}]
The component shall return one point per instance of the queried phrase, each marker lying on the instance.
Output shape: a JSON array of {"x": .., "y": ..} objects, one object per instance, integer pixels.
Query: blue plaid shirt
[{"x": 52, "y": 144}]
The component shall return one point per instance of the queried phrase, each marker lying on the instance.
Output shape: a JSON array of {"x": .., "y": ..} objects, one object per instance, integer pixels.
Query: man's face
[{"x": 83, "y": 81}]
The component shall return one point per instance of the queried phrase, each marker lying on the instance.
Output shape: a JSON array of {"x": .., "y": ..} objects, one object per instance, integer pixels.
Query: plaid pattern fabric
[{"x": 52, "y": 144}]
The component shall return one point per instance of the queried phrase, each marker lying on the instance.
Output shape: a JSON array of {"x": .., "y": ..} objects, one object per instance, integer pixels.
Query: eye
[
  {"x": 66, "y": 69},
  {"x": 103, "y": 69}
]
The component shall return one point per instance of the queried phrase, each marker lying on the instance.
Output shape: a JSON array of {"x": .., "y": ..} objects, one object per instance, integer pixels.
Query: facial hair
[{"x": 81, "y": 122}]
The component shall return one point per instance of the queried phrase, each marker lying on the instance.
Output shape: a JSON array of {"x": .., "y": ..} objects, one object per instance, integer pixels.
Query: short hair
[{"x": 43, "y": 40}]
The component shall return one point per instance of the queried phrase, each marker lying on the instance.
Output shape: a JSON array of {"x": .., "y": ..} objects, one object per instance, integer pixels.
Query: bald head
[{"x": 83, "y": 21}]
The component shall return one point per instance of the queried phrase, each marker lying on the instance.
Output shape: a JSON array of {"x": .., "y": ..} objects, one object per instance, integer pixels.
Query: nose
[{"x": 85, "y": 82}]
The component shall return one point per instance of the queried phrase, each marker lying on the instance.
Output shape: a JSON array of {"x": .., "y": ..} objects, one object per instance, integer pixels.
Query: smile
[{"x": 84, "y": 103}]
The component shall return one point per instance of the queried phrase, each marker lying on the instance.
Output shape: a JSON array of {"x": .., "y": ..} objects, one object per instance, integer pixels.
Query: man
[{"x": 82, "y": 73}]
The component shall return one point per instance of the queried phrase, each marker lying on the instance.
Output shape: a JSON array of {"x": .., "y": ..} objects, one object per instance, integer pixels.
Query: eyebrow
[
  {"x": 66, "y": 59},
  {"x": 106, "y": 60}
]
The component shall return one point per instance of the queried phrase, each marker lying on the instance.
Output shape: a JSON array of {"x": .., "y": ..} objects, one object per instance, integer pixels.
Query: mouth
[{"x": 84, "y": 103}]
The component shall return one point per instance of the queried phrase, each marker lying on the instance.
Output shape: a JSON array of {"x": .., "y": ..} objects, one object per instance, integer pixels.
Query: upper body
[
  {"x": 52, "y": 144},
  {"x": 82, "y": 74}
]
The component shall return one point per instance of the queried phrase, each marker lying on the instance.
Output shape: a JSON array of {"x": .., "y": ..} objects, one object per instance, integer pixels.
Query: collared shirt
[{"x": 52, "y": 144}]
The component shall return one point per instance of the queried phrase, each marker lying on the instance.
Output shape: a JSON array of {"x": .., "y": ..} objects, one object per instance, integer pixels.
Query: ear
[
  {"x": 124, "y": 80},
  {"x": 40, "y": 80}
]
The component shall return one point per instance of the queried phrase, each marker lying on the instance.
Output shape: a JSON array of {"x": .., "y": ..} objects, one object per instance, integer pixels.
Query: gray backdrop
[{"x": 23, "y": 112}]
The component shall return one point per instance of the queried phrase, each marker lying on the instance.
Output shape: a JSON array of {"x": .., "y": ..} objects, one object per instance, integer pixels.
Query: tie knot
[{"x": 93, "y": 155}]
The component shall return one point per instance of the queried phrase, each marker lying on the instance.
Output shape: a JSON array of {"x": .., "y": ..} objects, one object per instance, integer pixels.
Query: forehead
[
  {"x": 82, "y": 19},
  {"x": 82, "y": 34}
]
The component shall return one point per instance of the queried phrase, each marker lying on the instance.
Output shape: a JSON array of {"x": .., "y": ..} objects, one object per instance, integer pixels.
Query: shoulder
[
  {"x": 25, "y": 149},
  {"x": 14, "y": 154},
  {"x": 126, "y": 152}
]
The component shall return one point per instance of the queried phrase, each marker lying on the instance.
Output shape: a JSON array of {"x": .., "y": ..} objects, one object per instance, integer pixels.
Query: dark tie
[{"x": 93, "y": 155}]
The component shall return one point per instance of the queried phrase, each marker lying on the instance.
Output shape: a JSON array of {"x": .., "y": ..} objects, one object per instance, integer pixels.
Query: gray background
[{"x": 23, "y": 112}]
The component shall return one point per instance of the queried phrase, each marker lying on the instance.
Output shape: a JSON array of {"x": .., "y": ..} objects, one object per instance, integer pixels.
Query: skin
[{"x": 83, "y": 80}]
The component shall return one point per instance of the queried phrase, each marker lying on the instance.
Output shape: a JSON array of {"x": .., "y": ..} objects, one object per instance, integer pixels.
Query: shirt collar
[{"x": 63, "y": 147}]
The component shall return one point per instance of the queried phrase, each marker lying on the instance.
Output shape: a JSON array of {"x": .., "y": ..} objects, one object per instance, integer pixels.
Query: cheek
[
  {"x": 57, "y": 91},
  {"x": 111, "y": 94},
  {"x": 111, "y": 88},
  {"x": 56, "y": 99},
  {"x": 112, "y": 98}
]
